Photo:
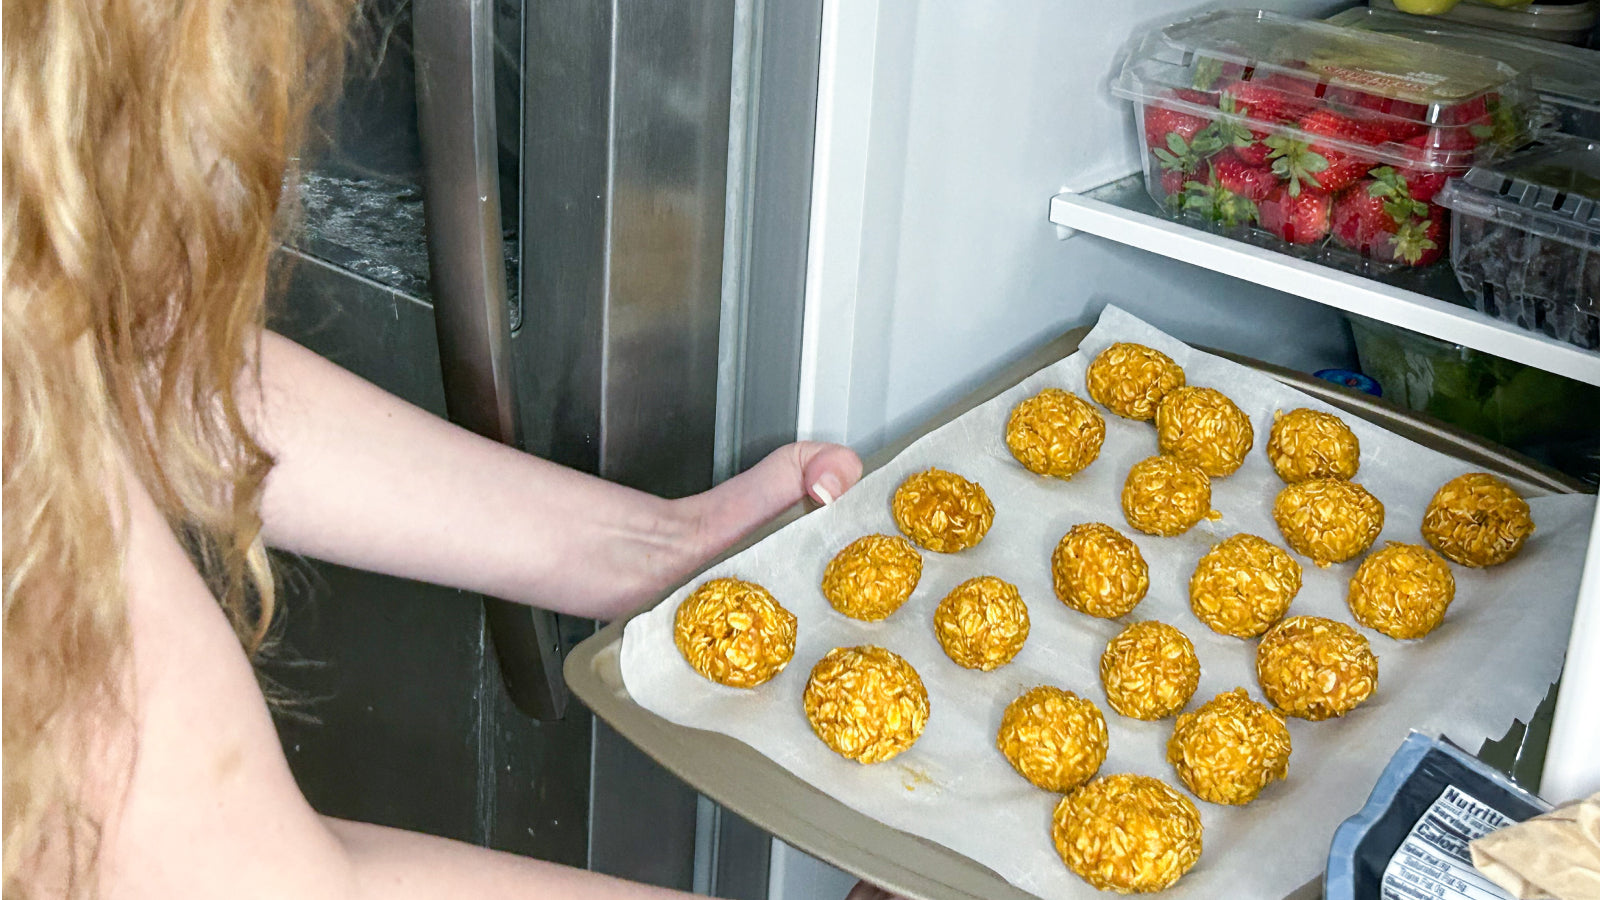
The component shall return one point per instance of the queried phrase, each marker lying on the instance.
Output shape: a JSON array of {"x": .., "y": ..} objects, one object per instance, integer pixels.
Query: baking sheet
[{"x": 1490, "y": 661}]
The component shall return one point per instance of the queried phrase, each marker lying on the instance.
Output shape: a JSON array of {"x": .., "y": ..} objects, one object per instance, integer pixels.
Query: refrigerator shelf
[{"x": 1429, "y": 301}]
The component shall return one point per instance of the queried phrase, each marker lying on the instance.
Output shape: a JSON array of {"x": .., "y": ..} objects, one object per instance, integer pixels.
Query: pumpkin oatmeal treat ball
[
  {"x": 982, "y": 624},
  {"x": 1477, "y": 520},
  {"x": 872, "y": 577},
  {"x": 1243, "y": 585},
  {"x": 1229, "y": 749},
  {"x": 866, "y": 703},
  {"x": 1316, "y": 668},
  {"x": 1054, "y": 738},
  {"x": 1402, "y": 590},
  {"x": 1127, "y": 833},
  {"x": 942, "y": 511},
  {"x": 1204, "y": 429},
  {"x": 1131, "y": 379},
  {"x": 1098, "y": 571},
  {"x": 734, "y": 633},
  {"x": 1055, "y": 433},
  {"x": 1307, "y": 444},
  {"x": 1328, "y": 520},
  {"x": 1149, "y": 671},
  {"x": 1165, "y": 496}
]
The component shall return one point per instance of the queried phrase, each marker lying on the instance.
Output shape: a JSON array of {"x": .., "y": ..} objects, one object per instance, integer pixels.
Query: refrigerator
[{"x": 654, "y": 240}]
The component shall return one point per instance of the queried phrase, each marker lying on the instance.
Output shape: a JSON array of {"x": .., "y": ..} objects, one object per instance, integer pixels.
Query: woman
[{"x": 157, "y": 440}]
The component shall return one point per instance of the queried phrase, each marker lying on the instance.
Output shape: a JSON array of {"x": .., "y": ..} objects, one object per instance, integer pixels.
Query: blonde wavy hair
[{"x": 146, "y": 146}]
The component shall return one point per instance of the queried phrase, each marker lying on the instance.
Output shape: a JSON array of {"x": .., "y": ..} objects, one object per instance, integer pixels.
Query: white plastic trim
[
  {"x": 1324, "y": 285},
  {"x": 1572, "y": 763}
]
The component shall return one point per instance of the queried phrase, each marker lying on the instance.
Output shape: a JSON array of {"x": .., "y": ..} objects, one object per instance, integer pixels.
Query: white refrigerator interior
[{"x": 943, "y": 129}]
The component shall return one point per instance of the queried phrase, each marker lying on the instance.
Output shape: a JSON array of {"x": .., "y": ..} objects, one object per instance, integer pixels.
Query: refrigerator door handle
[{"x": 454, "y": 47}]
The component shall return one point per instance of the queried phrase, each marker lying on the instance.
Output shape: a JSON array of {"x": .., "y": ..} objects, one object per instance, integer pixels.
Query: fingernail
[{"x": 827, "y": 489}]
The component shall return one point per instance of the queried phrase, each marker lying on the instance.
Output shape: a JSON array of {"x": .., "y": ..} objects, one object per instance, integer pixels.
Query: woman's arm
[{"x": 366, "y": 480}]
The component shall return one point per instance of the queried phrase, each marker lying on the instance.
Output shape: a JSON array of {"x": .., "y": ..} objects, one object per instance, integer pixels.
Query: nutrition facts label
[{"x": 1434, "y": 863}]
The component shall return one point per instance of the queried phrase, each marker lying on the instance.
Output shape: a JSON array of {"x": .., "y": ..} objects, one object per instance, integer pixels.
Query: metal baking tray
[{"x": 736, "y": 776}]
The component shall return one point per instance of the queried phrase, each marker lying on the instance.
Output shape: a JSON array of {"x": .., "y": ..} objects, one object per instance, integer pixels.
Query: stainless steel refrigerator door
[
  {"x": 454, "y": 52},
  {"x": 398, "y": 713}
]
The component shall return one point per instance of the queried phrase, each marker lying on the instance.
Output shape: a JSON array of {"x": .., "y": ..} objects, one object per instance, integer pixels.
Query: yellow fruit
[{"x": 1425, "y": 7}]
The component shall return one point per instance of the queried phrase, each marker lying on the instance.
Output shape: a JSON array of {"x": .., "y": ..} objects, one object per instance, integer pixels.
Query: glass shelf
[{"x": 1428, "y": 301}]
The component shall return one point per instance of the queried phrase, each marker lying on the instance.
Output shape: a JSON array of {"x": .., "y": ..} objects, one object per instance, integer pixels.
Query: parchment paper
[{"x": 1491, "y": 660}]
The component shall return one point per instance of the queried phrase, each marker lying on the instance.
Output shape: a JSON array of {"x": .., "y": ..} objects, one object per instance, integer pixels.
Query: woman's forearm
[
  {"x": 397, "y": 865},
  {"x": 366, "y": 480}
]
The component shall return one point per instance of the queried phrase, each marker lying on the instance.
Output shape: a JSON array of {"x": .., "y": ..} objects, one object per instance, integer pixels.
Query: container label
[{"x": 1433, "y": 863}]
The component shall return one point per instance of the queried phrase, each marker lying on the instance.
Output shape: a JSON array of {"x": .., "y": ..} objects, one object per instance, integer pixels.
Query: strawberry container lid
[
  {"x": 1457, "y": 109},
  {"x": 1552, "y": 189},
  {"x": 1562, "y": 75}
]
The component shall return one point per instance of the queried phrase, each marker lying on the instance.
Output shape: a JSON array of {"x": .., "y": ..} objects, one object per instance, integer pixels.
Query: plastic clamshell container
[
  {"x": 1568, "y": 23},
  {"x": 1526, "y": 239},
  {"x": 1325, "y": 142},
  {"x": 1566, "y": 78}
]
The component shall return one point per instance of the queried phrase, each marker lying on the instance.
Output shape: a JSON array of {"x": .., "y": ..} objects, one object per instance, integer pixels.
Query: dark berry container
[
  {"x": 1525, "y": 242},
  {"x": 1329, "y": 143}
]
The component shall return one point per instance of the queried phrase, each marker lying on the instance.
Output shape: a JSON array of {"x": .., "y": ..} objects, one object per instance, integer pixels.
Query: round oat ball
[
  {"x": 1098, "y": 571},
  {"x": 1149, "y": 671},
  {"x": 1165, "y": 497},
  {"x": 1127, "y": 833},
  {"x": 982, "y": 624},
  {"x": 1402, "y": 590},
  {"x": 1316, "y": 668},
  {"x": 734, "y": 633},
  {"x": 1229, "y": 749},
  {"x": 872, "y": 577},
  {"x": 1053, "y": 738},
  {"x": 1131, "y": 379},
  {"x": 1243, "y": 585},
  {"x": 1477, "y": 520},
  {"x": 1205, "y": 429},
  {"x": 1055, "y": 433},
  {"x": 866, "y": 703},
  {"x": 1306, "y": 444},
  {"x": 1328, "y": 520},
  {"x": 942, "y": 511}
]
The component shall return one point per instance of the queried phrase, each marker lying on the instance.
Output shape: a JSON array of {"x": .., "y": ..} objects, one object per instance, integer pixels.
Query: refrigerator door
[
  {"x": 398, "y": 713},
  {"x": 456, "y": 110}
]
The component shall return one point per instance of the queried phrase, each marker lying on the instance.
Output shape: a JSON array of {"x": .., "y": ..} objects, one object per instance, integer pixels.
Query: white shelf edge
[{"x": 1321, "y": 284}]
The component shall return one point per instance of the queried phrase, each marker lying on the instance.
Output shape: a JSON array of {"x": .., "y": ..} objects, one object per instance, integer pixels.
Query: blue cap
[{"x": 1349, "y": 379}]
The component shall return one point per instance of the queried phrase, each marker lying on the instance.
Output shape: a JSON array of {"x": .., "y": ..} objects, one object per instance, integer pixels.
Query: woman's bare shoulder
[{"x": 209, "y": 807}]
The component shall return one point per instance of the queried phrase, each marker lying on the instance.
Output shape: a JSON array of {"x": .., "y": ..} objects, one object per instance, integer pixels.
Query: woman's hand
[{"x": 752, "y": 498}]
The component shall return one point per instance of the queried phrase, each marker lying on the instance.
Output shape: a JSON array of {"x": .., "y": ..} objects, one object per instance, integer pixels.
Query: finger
[
  {"x": 828, "y": 470},
  {"x": 736, "y": 507}
]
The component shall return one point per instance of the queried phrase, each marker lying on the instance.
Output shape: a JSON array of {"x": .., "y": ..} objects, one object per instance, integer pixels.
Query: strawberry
[
  {"x": 1296, "y": 217},
  {"x": 1365, "y": 216},
  {"x": 1421, "y": 183},
  {"x": 1398, "y": 119},
  {"x": 1174, "y": 182},
  {"x": 1218, "y": 204},
  {"x": 1241, "y": 178},
  {"x": 1247, "y": 143},
  {"x": 1159, "y": 121},
  {"x": 1344, "y": 167},
  {"x": 1419, "y": 242},
  {"x": 1273, "y": 99},
  {"x": 1185, "y": 156},
  {"x": 1359, "y": 221}
]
